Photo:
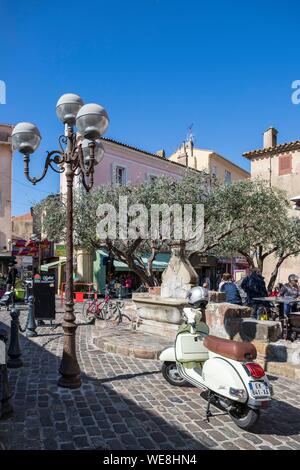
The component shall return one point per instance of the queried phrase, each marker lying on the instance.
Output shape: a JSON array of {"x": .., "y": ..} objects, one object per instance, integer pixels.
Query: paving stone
[
  {"x": 61, "y": 426},
  {"x": 243, "y": 444},
  {"x": 265, "y": 448},
  {"x": 88, "y": 421},
  {"x": 120, "y": 428},
  {"x": 228, "y": 445},
  {"x": 50, "y": 444},
  {"x": 81, "y": 441},
  {"x": 125, "y": 403},
  {"x": 146, "y": 444},
  {"x": 128, "y": 439},
  {"x": 216, "y": 436},
  {"x": 67, "y": 446}
]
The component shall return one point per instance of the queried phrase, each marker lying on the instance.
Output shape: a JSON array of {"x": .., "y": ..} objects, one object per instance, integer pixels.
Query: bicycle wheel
[
  {"x": 109, "y": 311},
  {"x": 100, "y": 311},
  {"x": 123, "y": 315},
  {"x": 89, "y": 310}
]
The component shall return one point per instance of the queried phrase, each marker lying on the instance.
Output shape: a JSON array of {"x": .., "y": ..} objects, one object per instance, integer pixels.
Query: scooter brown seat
[{"x": 239, "y": 351}]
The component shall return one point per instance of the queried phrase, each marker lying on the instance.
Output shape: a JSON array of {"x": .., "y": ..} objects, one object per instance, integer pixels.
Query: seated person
[
  {"x": 290, "y": 289},
  {"x": 231, "y": 291}
]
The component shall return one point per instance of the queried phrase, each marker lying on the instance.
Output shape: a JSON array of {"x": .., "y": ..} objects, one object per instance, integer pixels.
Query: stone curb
[
  {"x": 283, "y": 369},
  {"x": 129, "y": 350}
]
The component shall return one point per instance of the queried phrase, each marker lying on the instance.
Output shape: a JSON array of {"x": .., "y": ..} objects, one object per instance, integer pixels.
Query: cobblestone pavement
[{"x": 125, "y": 403}]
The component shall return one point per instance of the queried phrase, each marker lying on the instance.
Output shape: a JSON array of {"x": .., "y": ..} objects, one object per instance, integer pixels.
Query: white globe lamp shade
[
  {"x": 25, "y": 138},
  {"x": 67, "y": 108},
  {"x": 92, "y": 121}
]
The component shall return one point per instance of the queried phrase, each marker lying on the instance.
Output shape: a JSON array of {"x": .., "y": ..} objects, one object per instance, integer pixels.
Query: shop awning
[
  {"x": 159, "y": 264},
  {"x": 46, "y": 267}
]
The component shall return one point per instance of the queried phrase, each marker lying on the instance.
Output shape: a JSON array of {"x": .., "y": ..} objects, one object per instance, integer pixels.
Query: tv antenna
[{"x": 190, "y": 135}]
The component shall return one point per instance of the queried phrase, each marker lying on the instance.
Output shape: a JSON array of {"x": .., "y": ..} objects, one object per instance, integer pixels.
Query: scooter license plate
[{"x": 260, "y": 389}]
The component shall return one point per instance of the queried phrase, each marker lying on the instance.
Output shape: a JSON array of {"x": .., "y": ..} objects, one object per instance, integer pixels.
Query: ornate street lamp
[{"x": 79, "y": 153}]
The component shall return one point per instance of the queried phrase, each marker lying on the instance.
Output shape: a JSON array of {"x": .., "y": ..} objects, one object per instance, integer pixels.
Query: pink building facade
[
  {"x": 123, "y": 164},
  {"x": 5, "y": 194}
]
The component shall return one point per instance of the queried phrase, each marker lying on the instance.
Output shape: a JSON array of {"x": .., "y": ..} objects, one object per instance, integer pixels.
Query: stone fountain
[{"x": 161, "y": 314}]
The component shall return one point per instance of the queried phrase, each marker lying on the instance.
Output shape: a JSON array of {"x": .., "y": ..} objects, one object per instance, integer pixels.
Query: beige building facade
[
  {"x": 209, "y": 161},
  {"x": 22, "y": 227},
  {"x": 5, "y": 186},
  {"x": 279, "y": 164}
]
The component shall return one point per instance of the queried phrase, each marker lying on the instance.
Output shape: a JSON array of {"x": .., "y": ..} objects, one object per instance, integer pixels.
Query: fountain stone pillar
[{"x": 161, "y": 314}]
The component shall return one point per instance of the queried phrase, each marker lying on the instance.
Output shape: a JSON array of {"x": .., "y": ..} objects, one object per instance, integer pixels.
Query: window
[
  {"x": 227, "y": 177},
  {"x": 285, "y": 165},
  {"x": 214, "y": 171},
  {"x": 119, "y": 175}
]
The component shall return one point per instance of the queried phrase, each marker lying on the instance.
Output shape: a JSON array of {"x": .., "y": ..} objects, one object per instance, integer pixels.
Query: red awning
[{"x": 20, "y": 243}]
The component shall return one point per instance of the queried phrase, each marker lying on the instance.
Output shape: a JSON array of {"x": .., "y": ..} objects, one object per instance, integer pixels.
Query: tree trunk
[
  {"x": 275, "y": 272},
  {"x": 146, "y": 278},
  {"x": 248, "y": 258},
  {"x": 151, "y": 258},
  {"x": 142, "y": 273}
]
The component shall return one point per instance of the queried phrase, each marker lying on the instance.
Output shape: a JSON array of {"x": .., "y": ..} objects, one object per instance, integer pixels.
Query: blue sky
[{"x": 157, "y": 66}]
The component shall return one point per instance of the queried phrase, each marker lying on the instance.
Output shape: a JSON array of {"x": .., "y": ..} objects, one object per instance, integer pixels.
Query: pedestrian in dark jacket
[
  {"x": 11, "y": 277},
  {"x": 231, "y": 291},
  {"x": 255, "y": 286}
]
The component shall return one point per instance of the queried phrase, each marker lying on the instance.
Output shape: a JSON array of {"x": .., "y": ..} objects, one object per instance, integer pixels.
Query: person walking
[
  {"x": 11, "y": 277},
  {"x": 231, "y": 291},
  {"x": 241, "y": 291},
  {"x": 290, "y": 289},
  {"x": 128, "y": 283},
  {"x": 255, "y": 286}
]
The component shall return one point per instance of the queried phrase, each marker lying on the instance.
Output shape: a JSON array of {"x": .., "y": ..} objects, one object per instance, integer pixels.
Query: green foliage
[{"x": 248, "y": 217}]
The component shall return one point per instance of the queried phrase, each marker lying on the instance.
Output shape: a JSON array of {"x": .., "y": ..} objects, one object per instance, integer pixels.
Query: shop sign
[
  {"x": 198, "y": 261},
  {"x": 240, "y": 260},
  {"x": 60, "y": 250}
]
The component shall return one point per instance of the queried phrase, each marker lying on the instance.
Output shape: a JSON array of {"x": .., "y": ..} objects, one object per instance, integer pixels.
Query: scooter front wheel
[
  {"x": 243, "y": 416},
  {"x": 170, "y": 372}
]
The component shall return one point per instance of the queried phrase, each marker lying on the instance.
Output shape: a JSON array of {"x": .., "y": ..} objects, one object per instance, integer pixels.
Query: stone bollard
[
  {"x": 6, "y": 409},
  {"x": 14, "y": 350},
  {"x": 31, "y": 324}
]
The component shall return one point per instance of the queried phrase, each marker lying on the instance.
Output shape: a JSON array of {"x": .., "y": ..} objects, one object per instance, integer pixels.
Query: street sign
[{"x": 44, "y": 296}]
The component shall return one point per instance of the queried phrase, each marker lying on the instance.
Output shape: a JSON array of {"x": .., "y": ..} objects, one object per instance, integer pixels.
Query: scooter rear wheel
[
  {"x": 243, "y": 416},
  {"x": 170, "y": 372}
]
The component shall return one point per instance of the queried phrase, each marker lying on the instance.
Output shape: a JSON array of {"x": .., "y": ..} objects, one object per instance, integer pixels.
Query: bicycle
[
  {"x": 117, "y": 312},
  {"x": 100, "y": 309}
]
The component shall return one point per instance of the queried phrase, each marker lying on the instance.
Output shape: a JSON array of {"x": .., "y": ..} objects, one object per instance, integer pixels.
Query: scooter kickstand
[{"x": 208, "y": 412}]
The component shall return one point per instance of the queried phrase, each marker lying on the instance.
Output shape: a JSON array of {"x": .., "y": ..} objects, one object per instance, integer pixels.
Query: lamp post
[
  {"x": 36, "y": 244},
  {"x": 79, "y": 153}
]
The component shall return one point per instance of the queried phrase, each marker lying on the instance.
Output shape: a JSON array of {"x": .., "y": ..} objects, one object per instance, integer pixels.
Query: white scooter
[{"x": 223, "y": 367}]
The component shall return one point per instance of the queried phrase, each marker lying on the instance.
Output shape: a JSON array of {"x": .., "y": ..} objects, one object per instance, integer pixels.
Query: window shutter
[
  {"x": 285, "y": 165},
  {"x": 125, "y": 176},
  {"x": 113, "y": 174}
]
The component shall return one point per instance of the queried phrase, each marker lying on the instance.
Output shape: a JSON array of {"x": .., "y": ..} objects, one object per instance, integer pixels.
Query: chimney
[
  {"x": 161, "y": 153},
  {"x": 270, "y": 137}
]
